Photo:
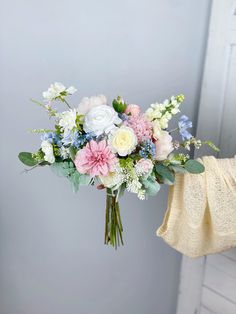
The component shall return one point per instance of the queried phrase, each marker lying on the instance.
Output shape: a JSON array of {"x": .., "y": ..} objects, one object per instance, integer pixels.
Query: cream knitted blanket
[{"x": 201, "y": 214}]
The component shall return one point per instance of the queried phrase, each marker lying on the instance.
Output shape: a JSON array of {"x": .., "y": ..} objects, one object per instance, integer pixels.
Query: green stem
[
  {"x": 66, "y": 102},
  {"x": 113, "y": 224}
]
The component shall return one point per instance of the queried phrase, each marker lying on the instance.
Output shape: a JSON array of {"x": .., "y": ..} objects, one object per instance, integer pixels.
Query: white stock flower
[
  {"x": 164, "y": 145},
  {"x": 67, "y": 119},
  {"x": 58, "y": 90},
  {"x": 101, "y": 119},
  {"x": 156, "y": 128},
  {"x": 47, "y": 148},
  {"x": 88, "y": 103},
  {"x": 123, "y": 140}
]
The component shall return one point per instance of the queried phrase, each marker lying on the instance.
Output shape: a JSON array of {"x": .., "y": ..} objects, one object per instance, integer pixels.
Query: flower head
[
  {"x": 67, "y": 120},
  {"x": 133, "y": 110},
  {"x": 95, "y": 159},
  {"x": 123, "y": 140},
  {"x": 101, "y": 119},
  {"x": 47, "y": 149},
  {"x": 164, "y": 145},
  {"x": 184, "y": 124},
  {"x": 143, "y": 166},
  {"x": 88, "y": 103},
  {"x": 141, "y": 126},
  {"x": 148, "y": 148},
  {"x": 58, "y": 90}
]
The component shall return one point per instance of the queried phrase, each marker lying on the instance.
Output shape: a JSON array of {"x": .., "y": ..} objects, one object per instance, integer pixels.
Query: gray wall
[{"x": 52, "y": 257}]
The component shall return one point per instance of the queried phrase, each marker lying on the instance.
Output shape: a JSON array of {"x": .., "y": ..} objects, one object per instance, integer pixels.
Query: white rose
[
  {"x": 101, "y": 119},
  {"x": 88, "y": 103},
  {"x": 164, "y": 145},
  {"x": 67, "y": 120},
  {"x": 47, "y": 148},
  {"x": 123, "y": 140}
]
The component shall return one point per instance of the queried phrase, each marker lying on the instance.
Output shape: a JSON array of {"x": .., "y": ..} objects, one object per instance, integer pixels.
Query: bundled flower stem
[{"x": 113, "y": 224}]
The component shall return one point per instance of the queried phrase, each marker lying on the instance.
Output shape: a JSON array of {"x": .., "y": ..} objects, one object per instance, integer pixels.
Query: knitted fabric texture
[{"x": 201, "y": 213}]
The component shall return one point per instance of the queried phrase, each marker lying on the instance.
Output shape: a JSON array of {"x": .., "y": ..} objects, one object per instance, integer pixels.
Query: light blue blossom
[
  {"x": 52, "y": 138},
  {"x": 147, "y": 148},
  {"x": 185, "y": 124},
  {"x": 79, "y": 139}
]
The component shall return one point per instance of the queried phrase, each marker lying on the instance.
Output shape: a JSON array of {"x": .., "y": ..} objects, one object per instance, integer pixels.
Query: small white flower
[
  {"x": 123, "y": 140},
  {"x": 175, "y": 110},
  {"x": 71, "y": 90},
  {"x": 64, "y": 152},
  {"x": 58, "y": 90},
  {"x": 164, "y": 122},
  {"x": 47, "y": 148},
  {"x": 156, "y": 128},
  {"x": 67, "y": 120},
  {"x": 101, "y": 119},
  {"x": 88, "y": 103}
]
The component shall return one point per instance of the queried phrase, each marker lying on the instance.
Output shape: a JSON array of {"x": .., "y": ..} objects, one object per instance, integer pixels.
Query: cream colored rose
[{"x": 123, "y": 141}]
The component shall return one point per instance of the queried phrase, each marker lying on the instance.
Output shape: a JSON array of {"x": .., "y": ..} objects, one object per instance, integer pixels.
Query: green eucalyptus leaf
[
  {"x": 165, "y": 172},
  {"x": 194, "y": 166},
  {"x": 85, "y": 179},
  {"x": 75, "y": 181},
  {"x": 151, "y": 186},
  {"x": 27, "y": 159},
  {"x": 178, "y": 169},
  {"x": 63, "y": 168}
]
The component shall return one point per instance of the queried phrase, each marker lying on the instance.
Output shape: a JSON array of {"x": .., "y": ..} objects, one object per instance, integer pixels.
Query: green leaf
[
  {"x": 151, "y": 186},
  {"x": 85, "y": 179},
  {"x": 75, "y": 181},
  {"x": 63, "y": 168},
  {"x": 178, "y": 169},
  {"x": 194, "y": 166},
  {"x": 27, "y": 159},
  {"x": 165, "y": 172},
  {"x": 73, "y": 152}
]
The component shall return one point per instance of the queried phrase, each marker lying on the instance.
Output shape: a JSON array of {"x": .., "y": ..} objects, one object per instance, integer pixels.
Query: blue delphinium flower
[
  {"x": 184, "y": 124},
  {"x": 147, "y": 148},
  {"x": 79, "y": 139},
  {"x": 52, "y": 138}
]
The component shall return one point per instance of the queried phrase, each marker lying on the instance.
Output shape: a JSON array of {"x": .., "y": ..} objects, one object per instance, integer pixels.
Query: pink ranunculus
[
  {"x": 164, "y": 145},
  {"x": 144, "y": 165},
  {"x": 133, "y": 110},
  {"x": 95, "y": 159}
]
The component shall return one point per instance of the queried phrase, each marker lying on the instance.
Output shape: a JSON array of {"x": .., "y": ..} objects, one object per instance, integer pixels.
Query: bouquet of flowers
[{"x": 117, "y": 146}]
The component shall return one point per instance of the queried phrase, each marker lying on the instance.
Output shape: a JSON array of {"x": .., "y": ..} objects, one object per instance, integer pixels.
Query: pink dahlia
[
  {"x": 95, "y": 159},
  {"x": 141, "y": 126}
]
